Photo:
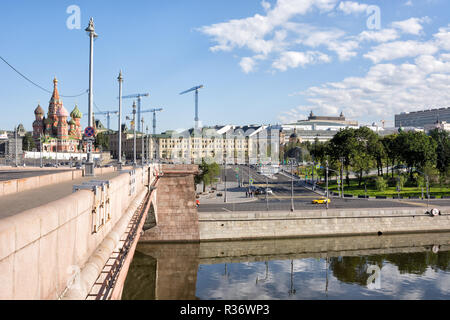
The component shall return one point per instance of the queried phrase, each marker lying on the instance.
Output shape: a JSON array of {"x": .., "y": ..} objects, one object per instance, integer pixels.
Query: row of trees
[{"x": 361, "y": 150}]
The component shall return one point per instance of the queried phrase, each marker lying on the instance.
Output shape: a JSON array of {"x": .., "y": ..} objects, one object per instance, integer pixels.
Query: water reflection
[{"x": 410, "y": 267}]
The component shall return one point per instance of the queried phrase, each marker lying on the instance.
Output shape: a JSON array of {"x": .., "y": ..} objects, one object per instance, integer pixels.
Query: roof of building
[
  {"x": 76, "y": 113},
  {"x": 39, "y": 110},
  {"x": 62, "y": 112}
]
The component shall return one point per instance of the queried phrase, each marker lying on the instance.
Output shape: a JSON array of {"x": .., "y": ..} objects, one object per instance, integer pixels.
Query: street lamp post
[
  {"x": 292, "y": 184},
  {"x": 142, "y": 140},
  {"x": 147, "y": 156},
  {"x": 89, "y": 169},
  {"x": 134, "y": 133},
  {"x": 15, "y": 140},
  {"x": 342, "y": 176},
  {"x": 225, "y": 176},
  {"x": 326, "y": 175},
  {"x": 120, "y": 79}
]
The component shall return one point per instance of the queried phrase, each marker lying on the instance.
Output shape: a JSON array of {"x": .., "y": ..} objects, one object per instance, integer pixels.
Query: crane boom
[
  {"x": 196, "y": 102},
  {"x": 192, "y": 89},
  {"x": 138, "y": 96}
]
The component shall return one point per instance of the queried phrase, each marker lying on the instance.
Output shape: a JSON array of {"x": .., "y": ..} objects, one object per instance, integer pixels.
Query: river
[{"x": 407, "y": 266}]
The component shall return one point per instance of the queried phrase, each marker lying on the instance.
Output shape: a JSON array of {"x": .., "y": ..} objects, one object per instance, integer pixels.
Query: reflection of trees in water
[
  {"x": 417, "y": 263},
  {"x": 354, "y": 269},
  {"x": 141, "y": 278}
]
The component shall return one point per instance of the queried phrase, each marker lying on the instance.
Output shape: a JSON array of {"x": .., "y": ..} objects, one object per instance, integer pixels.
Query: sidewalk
[
  {"x": 21, "y": 201},
  {"x": 234, "y": 194}
]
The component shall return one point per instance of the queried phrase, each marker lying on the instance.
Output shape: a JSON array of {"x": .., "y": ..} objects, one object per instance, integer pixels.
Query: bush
[{"x": 381, "y": 184}]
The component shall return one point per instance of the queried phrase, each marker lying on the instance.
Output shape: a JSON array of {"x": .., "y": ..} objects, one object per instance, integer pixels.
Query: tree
[
  {"x": 416, "y": 149},
  {"x": 28, "y": 142},
  {"x": 102, "y": 140},
  {"x": 342, "y": 146},
  {"x": 208, "y": 174},
  {"x": 442, "y": 139},
  {"x": 391, "y": 151}
]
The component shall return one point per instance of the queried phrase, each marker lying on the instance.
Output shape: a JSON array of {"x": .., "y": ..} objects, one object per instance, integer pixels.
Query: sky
[{"x": 261, "y": 62}]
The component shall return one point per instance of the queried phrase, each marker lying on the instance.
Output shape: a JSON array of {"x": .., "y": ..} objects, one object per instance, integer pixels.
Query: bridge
[{"x": 66, "y": 236}]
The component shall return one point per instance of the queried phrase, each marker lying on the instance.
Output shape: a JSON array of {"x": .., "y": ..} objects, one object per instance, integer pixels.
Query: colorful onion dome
[
  {"x": 76, "y": 113},
  {"x": 62, "y": 112},
  {"x": 39, "y": 110}
]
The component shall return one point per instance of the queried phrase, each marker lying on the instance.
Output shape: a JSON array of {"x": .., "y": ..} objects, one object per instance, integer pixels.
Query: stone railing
[{"x": 44, "y": 250}]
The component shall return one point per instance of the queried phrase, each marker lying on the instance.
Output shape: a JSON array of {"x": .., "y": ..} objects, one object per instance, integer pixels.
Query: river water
[{"x": 408, "y": 266}]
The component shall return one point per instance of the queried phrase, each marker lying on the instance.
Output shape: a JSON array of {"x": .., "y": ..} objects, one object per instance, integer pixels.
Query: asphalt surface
[
  {"x": 281, "y": 198},
  {"x": 20, "y": 174}
]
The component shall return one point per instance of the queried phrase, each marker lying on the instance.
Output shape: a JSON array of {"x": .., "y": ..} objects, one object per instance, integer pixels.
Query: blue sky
[{"x": 260, "y": 61}]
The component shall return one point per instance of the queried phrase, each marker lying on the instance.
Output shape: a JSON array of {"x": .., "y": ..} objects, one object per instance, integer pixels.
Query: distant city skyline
[{"x": 261, "y": 62}]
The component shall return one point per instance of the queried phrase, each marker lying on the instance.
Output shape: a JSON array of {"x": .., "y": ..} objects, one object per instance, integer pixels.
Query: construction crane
[
  {"x": 138, "y": 96},
  {"x": 108, "y": 116},
  {"x": 154, "y": 111},
  {"x": 196, "y": 101}
]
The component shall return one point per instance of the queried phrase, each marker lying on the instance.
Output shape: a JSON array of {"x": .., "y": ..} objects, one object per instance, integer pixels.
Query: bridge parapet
[{"x": 45, "y": 250}]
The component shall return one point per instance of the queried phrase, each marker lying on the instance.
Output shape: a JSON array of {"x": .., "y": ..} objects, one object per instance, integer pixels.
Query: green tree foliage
[
  {"x": 208, "y": 173},
  {"x": 102, "y": 141},
  {"x": 416, "y": 149},
  {"x": 380, "y": 184},
  {"x": 28, "y": 142},
  {"x": 442, "y": 139}
]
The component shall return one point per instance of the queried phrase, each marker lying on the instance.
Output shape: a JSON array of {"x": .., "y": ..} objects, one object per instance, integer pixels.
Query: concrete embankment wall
[
  {"x": 43, "y": 250},
  {"x": 277, "y": 224},
  {"x": 19, "y": 185}
]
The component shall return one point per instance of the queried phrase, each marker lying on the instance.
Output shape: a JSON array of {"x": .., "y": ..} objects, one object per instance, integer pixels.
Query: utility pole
[
  {"x": 342, "y": 176},
  {"x": 40, "y": 147},
  {"x": 15, "y": 140},
  {"x": 120, "y": 79},
  {"x": 89, "y": 168},
  {"x": 292, "y": 185},
  {"x": 225, "y": 174},
  {"x": 142, "y": 140},
  {"x": 326, "y": 177},
  {"x": 147, "y": 156},
  {"x": 134, "y": 134},
  {"x": 267, "y": 198}
]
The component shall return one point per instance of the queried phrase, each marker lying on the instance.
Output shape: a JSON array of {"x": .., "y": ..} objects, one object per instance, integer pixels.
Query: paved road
[
  {"x": 281, "y": 198},
  {"x": 20, "y": 174}
]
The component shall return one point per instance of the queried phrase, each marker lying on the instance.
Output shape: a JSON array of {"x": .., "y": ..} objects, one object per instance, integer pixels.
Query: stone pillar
[{"x": 176, "y": 212}]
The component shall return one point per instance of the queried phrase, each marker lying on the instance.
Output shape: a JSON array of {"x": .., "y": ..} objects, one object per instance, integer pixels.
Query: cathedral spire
[{"x": 55, "y": 96}]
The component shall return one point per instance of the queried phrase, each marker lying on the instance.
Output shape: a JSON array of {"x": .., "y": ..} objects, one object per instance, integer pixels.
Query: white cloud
[
  {"x": 385, "y": 90},
  {"x": 250, "y": 32},
  {"x": 384, "y": 35},
  {"x": 266, "y": 5},
  {"x": 443, "y": 38},
  {"x": 411, "y": 26},
  {"x": 293, "y": 59},
  {"x": 247, "y": 64},
  {"x": 400, "y": 49},
  {"x": 351, "y": 7},
  {"x": 408, "y": 3}
]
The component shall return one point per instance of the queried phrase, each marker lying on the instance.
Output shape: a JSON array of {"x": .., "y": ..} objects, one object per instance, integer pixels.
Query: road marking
[{"x": 226, "y": 209}]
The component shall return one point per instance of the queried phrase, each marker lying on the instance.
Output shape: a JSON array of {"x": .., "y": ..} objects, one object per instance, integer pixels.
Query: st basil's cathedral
[{"x": 55, "y": 133}]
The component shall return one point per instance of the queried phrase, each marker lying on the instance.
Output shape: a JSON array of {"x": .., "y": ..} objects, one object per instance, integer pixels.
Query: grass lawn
[{"x": 354, "y": 189}]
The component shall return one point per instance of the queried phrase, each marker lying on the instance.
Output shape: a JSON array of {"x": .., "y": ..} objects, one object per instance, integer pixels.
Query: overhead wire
[{"x": 37, "y": 85}]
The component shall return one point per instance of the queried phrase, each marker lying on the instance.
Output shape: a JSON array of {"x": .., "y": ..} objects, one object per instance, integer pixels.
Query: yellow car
[{"x": 321, "y": 201}]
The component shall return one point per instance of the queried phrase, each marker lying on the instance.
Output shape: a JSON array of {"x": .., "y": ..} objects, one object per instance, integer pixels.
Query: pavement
[
  {"x": 302, "y": 200},
  {"x": 12, "y": 174},
  {"x": 19, "y": 202}
]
